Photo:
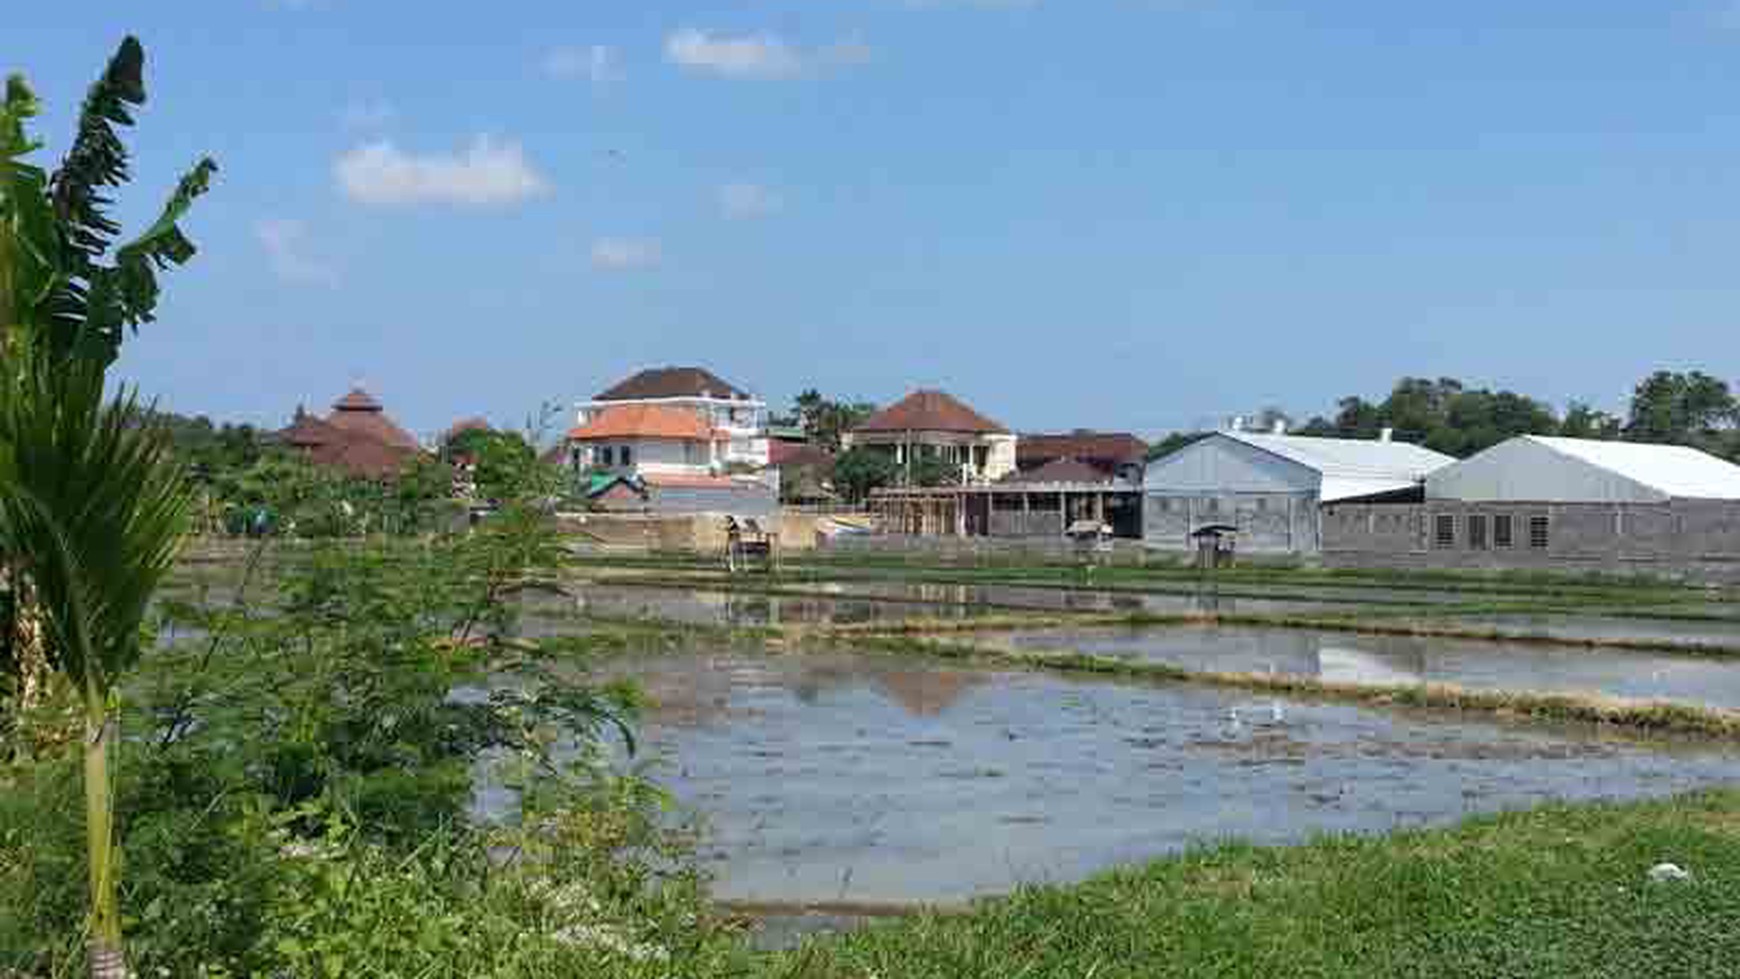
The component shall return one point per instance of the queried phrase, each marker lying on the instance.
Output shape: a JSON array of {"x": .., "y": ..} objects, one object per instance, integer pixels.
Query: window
[
  {"x": 627, "y": 456},
  {"x": 1210, "y": 504},
  {"x": 1476, "y": 532},
  {"x": 1162, "y": 505},
  {"x": 605, "y": 457},
  {"x": 1444, "y": 530},
  {"x": 1262, "y": 503},
  {"x": 1501, "y": 530},
  {"x": 1538, "y": 533}
]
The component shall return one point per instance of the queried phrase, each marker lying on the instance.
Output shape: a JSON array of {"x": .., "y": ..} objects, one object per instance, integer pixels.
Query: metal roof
[
  {"x": 1673, "y": 470},
  {"x": 1350, "y": 459}
]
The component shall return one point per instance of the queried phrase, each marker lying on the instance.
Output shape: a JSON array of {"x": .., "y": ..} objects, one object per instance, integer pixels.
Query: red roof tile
[
  {"x": 797, "y": 454},
  {"x": 672, "y": 382},
  {"x": 646, "y": 422},
  {"x": 930, "y": 411},
  {"x": 1107, "y": 449},
  {"x": 1059, "y": 471}
]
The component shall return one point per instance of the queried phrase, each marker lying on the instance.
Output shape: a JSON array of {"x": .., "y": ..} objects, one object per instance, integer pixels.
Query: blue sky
[{"x": 1139, "y": 214}]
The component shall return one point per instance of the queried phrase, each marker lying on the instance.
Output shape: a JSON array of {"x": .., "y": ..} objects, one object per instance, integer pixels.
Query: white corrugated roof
[
  {"x": 1353, "y": 459},
  {"x": 1677, "y": 470}
]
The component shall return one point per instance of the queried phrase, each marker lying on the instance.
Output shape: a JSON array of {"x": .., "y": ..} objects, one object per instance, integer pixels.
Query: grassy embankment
[{"x": 1555, "y": 892}]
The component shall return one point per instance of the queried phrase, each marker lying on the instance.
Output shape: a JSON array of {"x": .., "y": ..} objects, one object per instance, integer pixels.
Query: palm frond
[
  {"x": 95, "y": 500},
  {"x": 98, "y": 158}
]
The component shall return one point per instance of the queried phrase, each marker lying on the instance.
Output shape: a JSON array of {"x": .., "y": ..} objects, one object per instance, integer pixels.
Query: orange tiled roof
[{"x": 645, "y": 422}]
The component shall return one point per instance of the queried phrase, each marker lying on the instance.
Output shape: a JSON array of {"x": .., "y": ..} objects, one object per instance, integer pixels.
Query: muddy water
[
  {"x": 1051, "y": 599},
  {"x": 728, "y": 608},
  {"x": 836, "y": 777},
  {"x": 1687, "y": 631},
  {"x": 1348, "y": 658}
]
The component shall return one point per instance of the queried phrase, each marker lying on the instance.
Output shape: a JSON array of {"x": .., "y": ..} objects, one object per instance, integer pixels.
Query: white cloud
[
  {"x": 623, "y": 254},
  {"x": 743, "y": 56},
  {"x": 741, "y": 201},
  {"x": 755, "y": 56},
  {"x": 367, "y": 114},
  {"x": 486, "y": 173},
  {"x": 597, "y": 64},
  {"x": 286, "y": 243}
]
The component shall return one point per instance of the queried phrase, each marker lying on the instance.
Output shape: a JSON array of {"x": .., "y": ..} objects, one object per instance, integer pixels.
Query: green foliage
[
  {"x": 931, "y": 470},
  {"x": 1686, "y": 409},
  {"x": 295, "y": 790},
  {"x": 824, "y": 421},
  {"x": 1555, "y": 892},
  {"x": 1442, "y": 415},
  {"x": 499, "y": 460},
  {"x": 1691, "y": 408},
  {"x": 1173, "y": 442},
  {"x": 75, "y": 303},
  {"x": 94, "y": 501},
  {"x": 859, "y": 470}
]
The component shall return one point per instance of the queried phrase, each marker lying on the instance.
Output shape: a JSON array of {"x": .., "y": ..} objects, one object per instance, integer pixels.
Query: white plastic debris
[{"x": 1661, "y": 873}]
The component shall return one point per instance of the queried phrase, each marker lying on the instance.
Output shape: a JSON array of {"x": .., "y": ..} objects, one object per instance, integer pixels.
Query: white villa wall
[
  {"x": 744, "y": 423},
  {"x": 651, "y": 456}
]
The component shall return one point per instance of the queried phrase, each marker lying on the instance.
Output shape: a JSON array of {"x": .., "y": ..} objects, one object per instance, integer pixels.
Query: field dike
[{"x": 1638, "y": 716}]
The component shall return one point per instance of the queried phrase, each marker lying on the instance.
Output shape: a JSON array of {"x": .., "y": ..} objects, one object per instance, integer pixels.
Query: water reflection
[
  {"x": 1347, "y": 657},
  {"x": 833, "y": 777}
]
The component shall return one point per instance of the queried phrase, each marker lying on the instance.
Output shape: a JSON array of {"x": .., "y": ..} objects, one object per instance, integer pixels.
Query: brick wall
[{"x": 1693, "y": 539}]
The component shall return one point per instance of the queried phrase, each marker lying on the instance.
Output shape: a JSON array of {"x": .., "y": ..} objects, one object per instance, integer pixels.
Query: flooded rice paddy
[
  {"x": 1342, "y": 657},
  {"x": 835, "y": 777}
]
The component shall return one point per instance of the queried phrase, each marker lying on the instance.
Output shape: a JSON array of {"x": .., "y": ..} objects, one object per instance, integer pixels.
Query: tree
[
  {"x": 92, "y": 505},
  {"x": 1582, "y": 421},
  {"x": 1688, "y": 408},
  {"x": 1173, "y": 442},
  {"x": 858, "y": 471},
  {"x": 824, "y": 421},
  {"x": 932, "y": 470},
  {"x": 499, "y": 459}
]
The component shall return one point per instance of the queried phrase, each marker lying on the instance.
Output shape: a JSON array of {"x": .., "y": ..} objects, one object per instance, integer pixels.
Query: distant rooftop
[
  {"x": 930, "y": 411},
  {"x": 673, "y": 382},
  {"x": 1674, "y": 470},
  {"x": 645, "y": 422}
]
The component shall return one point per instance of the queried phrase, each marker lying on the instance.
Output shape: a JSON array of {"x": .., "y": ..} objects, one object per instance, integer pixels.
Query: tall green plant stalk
[{"x": 92, "y": 508}]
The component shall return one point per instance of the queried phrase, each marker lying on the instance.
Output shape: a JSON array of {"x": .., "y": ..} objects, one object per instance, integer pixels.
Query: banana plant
[{"x": 92, "y": 506}]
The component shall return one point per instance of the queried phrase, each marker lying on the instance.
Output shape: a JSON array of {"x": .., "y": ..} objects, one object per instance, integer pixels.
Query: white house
[
  {"x": 672, "y": 418},
  {"x": 1270, "y": 486}
]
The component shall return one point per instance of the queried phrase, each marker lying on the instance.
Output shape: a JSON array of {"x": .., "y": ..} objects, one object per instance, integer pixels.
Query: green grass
[{"x": 1555, "y": 892}]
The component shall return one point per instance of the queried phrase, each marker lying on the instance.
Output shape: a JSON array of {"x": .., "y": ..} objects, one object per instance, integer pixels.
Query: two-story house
[
  {"x": 671, "y": 421},
  {"x": 935, "y": 424}
]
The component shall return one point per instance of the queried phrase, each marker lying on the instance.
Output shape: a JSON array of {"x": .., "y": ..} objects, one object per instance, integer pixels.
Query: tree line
[{"x": 1671, "y": 407}]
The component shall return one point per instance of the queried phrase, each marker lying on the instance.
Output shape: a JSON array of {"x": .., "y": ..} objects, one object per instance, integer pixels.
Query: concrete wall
[
  {"x": 1692, "y": 539},
  {"x": 986, "y": 549},
  {"x": 1268, "y": 523}
]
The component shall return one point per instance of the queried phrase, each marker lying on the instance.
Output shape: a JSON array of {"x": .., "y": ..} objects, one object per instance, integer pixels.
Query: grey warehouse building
[
  {"x": 1272, "y": 486},
  {"x": 1542, "y": 503}
]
